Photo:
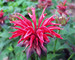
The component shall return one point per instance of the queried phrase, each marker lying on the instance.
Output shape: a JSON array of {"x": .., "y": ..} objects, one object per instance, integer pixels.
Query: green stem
[
  {"x": 33, "y": 57},
  {"x": 36, "y": 57},
  {"x": 44, "y": 57},
  {"x": 71, "y": 56},
  {"x": 55, "y": 46},
  {"x": 55, "y": 43}
]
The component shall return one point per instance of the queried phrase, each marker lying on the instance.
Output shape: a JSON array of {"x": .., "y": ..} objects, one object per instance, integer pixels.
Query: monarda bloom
[
  {"x": 34, "y": 36},
  {"x": 62, "y": 8},
  {"x": 2, "y": 18}
]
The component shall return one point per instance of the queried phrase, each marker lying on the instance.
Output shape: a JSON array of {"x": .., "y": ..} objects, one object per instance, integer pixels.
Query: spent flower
[{"x": 63, "y": 19}]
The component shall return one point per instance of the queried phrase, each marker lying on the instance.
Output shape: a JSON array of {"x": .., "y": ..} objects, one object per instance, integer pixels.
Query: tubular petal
[
  {"x": 48, "y": 20},
  {"x": 42, "y": 16},
  {"x": 40, "y": 35},
  {"x": 31, "y": 40},
  {"x": 25, "y": 19},
  {"x": 46, "y": 38},
  {"x": 55, "y": 34},
  {"x": 38, "y": 51},
  {"x": 33, "y": 16}
]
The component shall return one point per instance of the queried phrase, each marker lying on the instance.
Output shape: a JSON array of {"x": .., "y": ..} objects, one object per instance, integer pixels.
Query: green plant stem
[
  {"x": 55, "y": 43},
  {"x": 71, "y": 56},
  {"x": 55, "y": 46},
  {"x": 33, "y": 57},
  {"x": 36, "y": 57},
  {"x": 44, "y": 57}
]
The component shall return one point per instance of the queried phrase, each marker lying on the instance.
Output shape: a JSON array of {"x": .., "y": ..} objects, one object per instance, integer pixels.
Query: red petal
[
  {"x": 57, "y": 35},
  {"x": 27, "y": 34},
  {"x": 49, "y": 35},
  {"x": 41, "y": 42},
  {"x": 29, "y": 28},
  {"x": 23, "y": 30},
  {"x": 64, "y": 2},
  {"x": 33, "y": 17},
  {"x": 54, "y": 28},
  {"x": 37, "y": 41},
  {"x": 40, "y": 35},
  {"x": 54, "y": 24},
  {"x": 25, "y": 37},
  {"x": 46, "y": 22},
  {"x": 25, "y": 19},
  {"x": 31, "y": 40},
  {"x": 38, "y": 51},
  {"x": 46, "y": 38},
  {"x": 15, "y": 35},
  {"x": 42, "y": 17},
  {"x": 20, "y": 40},
  {"x": 44, "y": 29},
  {"x": 19, "y": 24},
  {"x": 23, "y": 22}
]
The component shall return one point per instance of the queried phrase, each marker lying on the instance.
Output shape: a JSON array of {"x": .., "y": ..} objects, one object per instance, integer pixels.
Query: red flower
[
  {"x": 32, "y": 35},
  {"x": 2, "y": 19},
  {"x": 62, "y": 7}
]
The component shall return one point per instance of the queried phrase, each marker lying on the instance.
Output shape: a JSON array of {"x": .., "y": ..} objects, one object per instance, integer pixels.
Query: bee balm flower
[{"x": 34, "y": 37}]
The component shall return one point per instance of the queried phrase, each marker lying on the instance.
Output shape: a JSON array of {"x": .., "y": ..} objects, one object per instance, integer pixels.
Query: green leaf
[
  {"x": 63, "y": 47},
  {"x": 51, "y": 56}
]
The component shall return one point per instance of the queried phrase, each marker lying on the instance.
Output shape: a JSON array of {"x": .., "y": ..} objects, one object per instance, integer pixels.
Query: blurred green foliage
[{"x": 8, "y": 48}]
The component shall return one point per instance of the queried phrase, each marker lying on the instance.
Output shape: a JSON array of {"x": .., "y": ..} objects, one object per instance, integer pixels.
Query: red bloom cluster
[
  {"x": 62, "y": 8},
  {"x": 34, "y": 37},
  {"x": 2, "y": 19},
  {"x": 43, "y": 3}
]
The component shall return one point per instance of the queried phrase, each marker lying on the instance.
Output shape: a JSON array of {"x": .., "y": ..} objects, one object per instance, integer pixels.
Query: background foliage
[{"x": 9, "y": 51}]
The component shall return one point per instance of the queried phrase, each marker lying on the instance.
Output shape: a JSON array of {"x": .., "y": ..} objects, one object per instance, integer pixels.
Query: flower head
[
  {"x": 34, "y": 37},
  {"x": 62, "y": 7}
]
